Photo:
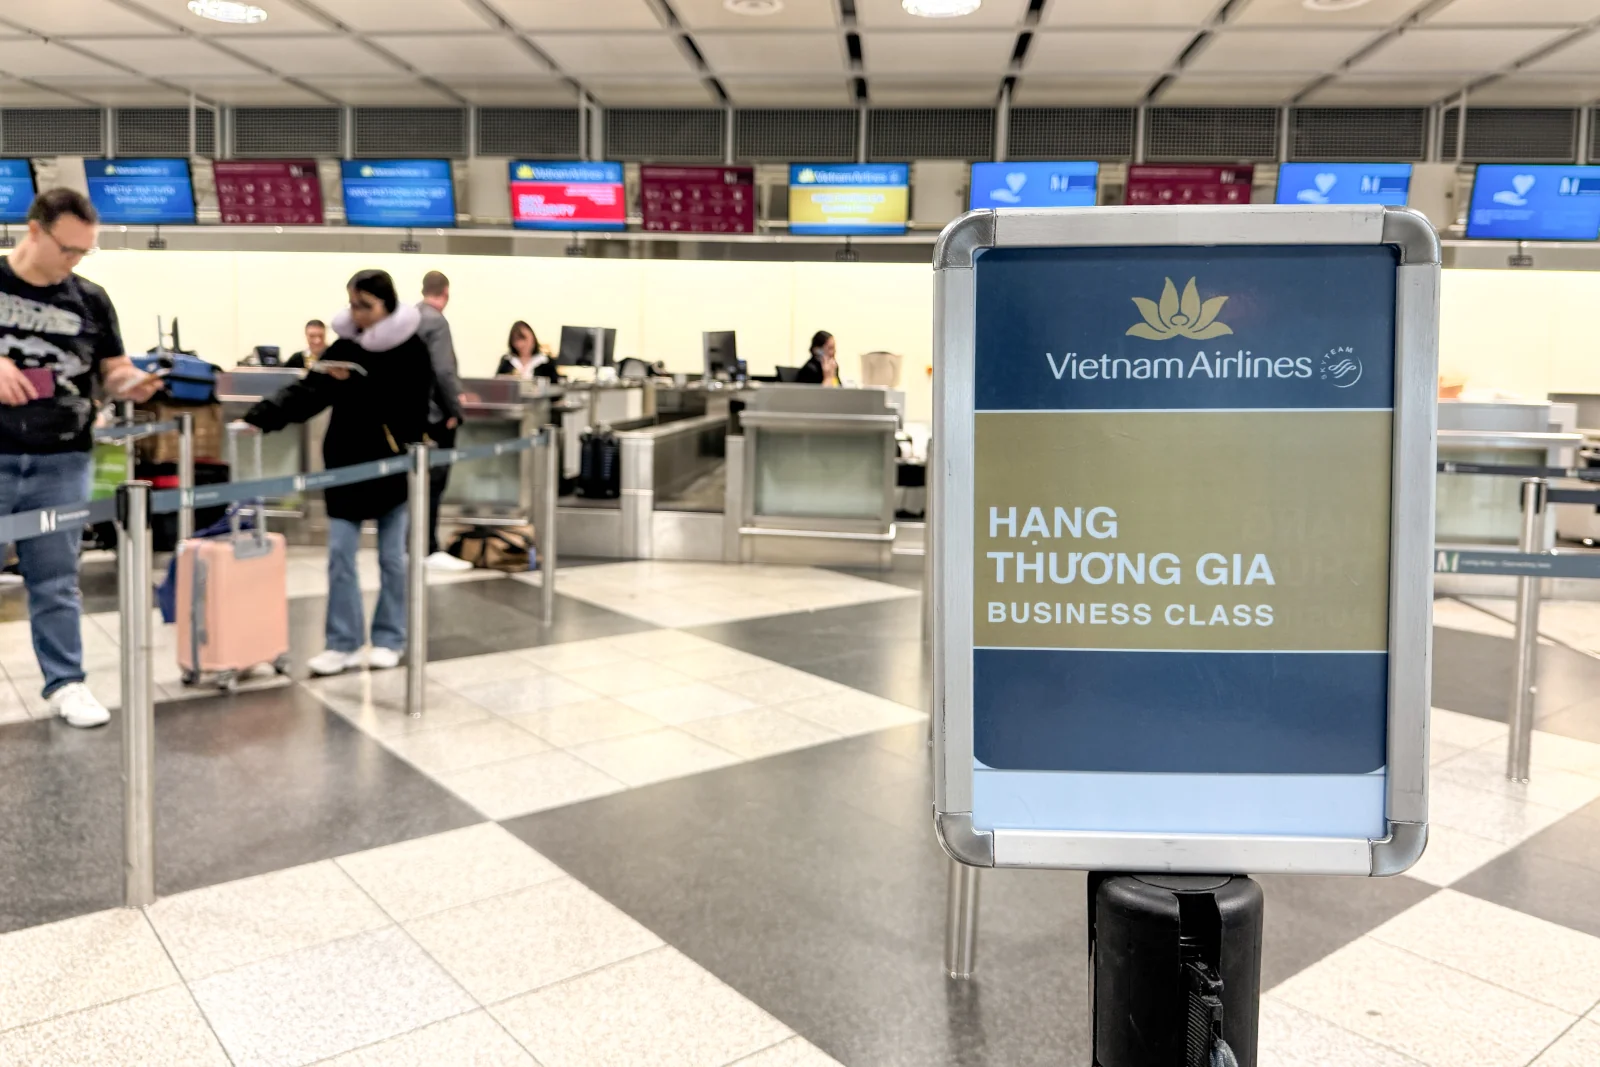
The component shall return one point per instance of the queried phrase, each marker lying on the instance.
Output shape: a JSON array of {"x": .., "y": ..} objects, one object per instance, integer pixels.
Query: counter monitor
[
  {"x": 567, "y": 196},
  {"x": 587, "y": 346},
  {"x": 141, "y": 191},
  {"x": 1002, "y": 185},
  {"x": 1537, "y": 203},
  {"x": 721, "y": 354},
  {"x": 268, "y": 192},
  {"x": 1162, "y": 184},
  {"x": 398, "y": 192},
  {"x": 849, "y": 198},
  {"x": 1344, "y": 183},
  {"x": 16, "y": 190}
]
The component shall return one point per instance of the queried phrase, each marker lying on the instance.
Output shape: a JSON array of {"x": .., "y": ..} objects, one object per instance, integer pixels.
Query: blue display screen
[
  {"x": 1034, "y": 184},
  {"x": 141, "y": 191},
  {"x": 16, "y": 190},
  {"x": 1551, "y": 203},
  {"x": 399, "y": 192},
  {"x": 1344, "y": 183}
]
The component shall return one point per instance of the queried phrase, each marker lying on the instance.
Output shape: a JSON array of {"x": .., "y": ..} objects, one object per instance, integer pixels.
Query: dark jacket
[
  {"x": 811, "y": 372},
  {"x": 375, "y": 416},
  {"x": 508, "y": 365}
]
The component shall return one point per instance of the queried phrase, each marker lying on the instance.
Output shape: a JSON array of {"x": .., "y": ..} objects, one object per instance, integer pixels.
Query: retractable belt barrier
[
  {"x": 137, "y": 429},
  {"x": 1526, "y": 564}
]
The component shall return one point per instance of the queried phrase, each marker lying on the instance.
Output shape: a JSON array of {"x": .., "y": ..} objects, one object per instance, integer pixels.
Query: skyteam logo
[{"x": 1341, "y": 366}]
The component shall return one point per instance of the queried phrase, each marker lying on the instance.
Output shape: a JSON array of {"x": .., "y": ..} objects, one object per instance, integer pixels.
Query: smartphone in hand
[{"x": 43, "y": 380}]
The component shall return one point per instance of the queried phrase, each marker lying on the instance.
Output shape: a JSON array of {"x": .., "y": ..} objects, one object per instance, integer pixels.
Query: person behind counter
[
  {"x": 316, "y": 344},
  {"x": 377, "y": 412},
  {"x": 822, "y": 368},
  {"x": 523, "y": 358}
]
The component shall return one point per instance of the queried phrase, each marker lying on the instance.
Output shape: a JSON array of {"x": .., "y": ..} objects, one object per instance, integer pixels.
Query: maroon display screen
[
  {"x": 1150, "y": 183},
  {"x": 698, "y": 199},
  {"x": 281, "y": 192}
]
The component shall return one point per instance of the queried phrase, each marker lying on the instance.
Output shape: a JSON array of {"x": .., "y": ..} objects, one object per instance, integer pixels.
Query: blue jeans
[
  {"x": 49, "y": 564},
  {"x": 346, "y": 629}
]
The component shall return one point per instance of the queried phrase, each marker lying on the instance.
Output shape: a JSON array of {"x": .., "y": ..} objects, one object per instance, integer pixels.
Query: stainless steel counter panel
[
  {"x": 292, "y": 450},
  {"x": 495, "y": 491},
  {"x": 1485, "y": 509}
]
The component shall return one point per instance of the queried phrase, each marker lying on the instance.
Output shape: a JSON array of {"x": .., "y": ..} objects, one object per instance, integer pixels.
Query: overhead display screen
[
  {"x": 698, "y": 199},
  {"x": 567, "y": 196},
  {"x": 1550, "y": 203},
  {"x": 1034, "y": 184},
  {"x": 284, "y": 192},
  {"x": 1157, "y": 184},
  {"x": 868, "y": 198},
  {"x": 16, "y": 190},
  {"x": 399, "y": 192},
  {"x": 141, "y": 191},
  {"x": 1344, "y": 183}
]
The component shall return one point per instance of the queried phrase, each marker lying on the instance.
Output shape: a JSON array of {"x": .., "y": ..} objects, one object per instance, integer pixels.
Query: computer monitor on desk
[
  {"x": 587, "y": 346},
  {"x": 721, "y": 354}
]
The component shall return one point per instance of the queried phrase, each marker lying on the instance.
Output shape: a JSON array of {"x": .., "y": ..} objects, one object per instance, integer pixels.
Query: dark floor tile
[
  {"x": 895, "y": 671},
  {"x": 1575, "y": 839},
  {"x": 245, "y": 784},
  {"x": 1308, "y": 916},
  {"x": 502, "y": 615},
  {"x": 1532, "y": 881},
  {"x": 906, "y": 572},
  {"x": 1472, "y": 674}
]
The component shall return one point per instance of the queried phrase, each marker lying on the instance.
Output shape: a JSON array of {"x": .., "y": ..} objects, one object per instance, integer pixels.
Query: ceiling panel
[
  {"x": 168, "y": 56},
  {"x": 28, "y": 57},
  {"x": 640, "y": 92},
  {"x": 514, "y": 92},
  {"x": 1035, "y": 91},
  {"x": 934, "y": 92},
  {"x": 888, "y": 14},
  {"x": 536, "y": 16},
  {"x": 985, "y": 51},
  {"x": 1379, "y": 91},
  {"x": 15, "y": 94},
  {"x": 120, "y": 91},
  {"x": 795, "y": 14},
  {"x": 1233, "y": 89},
  {"x": 253, "y": 92},
  {"x": 380, "y": 92},
  {"x": 1140, "y": 13},
  {"x": 1518, "y": 12},
  {"x": 1244, "y": 51},
  {"x": 313, "y": 55},
  {"x": 1559, "y": 90},
  {"x": 398, "y": 16},
  {"x": 1468, "y": 51},
  {"x": 788, "y": 53},
  {"x": 620, "y": 54},
  {"x": 789, "y": 92},
  {"x": 58, "y": 17},
  {"x": 447, "y": 53},
  {"x": 1092, "y": 51},
  {"x": 281, "y": 18},
  {"x": 1295, "y": 13},
  {"x": 1580, "y": 57}
]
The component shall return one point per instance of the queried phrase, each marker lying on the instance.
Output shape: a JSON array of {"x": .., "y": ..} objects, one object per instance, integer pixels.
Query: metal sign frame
[{"x": 1411, "y": 533}]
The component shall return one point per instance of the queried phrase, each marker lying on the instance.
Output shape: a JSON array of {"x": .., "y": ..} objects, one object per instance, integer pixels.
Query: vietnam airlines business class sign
[{"x": 1181, "y": 518}]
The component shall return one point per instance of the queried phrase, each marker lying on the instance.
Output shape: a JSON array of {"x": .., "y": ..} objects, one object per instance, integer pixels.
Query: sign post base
[{"x": 1175, "y": 964}]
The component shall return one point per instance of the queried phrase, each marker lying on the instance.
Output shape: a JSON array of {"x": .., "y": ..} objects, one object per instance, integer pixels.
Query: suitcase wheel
[
  {"x": 281, "y": 664},
  {"x": 228, "y": 681},
  {"x": 191, "y": 677}
]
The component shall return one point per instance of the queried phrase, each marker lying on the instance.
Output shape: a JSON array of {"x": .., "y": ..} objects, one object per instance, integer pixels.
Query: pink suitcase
[{"x": 233, "y": 599}]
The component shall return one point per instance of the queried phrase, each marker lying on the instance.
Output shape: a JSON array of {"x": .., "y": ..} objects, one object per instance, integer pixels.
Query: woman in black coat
[
  {"x": 378, "y": 408},
  {"x": 523, "y": 358},
  {"x": 822, "y": 368}
]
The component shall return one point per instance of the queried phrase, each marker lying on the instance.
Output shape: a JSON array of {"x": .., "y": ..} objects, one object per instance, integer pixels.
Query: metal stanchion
[
  {"x": 549, "y": 491},
  {"x": 961, "y": 921},
  {"x": 186, "y": 476},
  {"x": 1525, "y": 683},
  {"x": 138, "y": 701},
  {"x": 417, "y": 581},
  {"x": 125, "y": 411}
]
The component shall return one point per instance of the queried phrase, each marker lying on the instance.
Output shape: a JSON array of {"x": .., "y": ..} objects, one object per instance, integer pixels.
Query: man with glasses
[{"x": 58, "y": 335}]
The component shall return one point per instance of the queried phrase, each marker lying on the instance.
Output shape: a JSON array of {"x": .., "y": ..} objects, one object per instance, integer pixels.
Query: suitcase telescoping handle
[{"x": 235, "y": 431}]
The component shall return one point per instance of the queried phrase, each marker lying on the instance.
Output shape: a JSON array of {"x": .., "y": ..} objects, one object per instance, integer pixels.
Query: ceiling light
[
  {"x": 228, "y": 11},
  {"x": 940, "y": 9},
  {"x": 753, "y": 7},
  {"x": 1332, "y": 5}
]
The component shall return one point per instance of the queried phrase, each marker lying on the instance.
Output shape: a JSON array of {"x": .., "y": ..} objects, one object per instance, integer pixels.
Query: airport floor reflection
[{"x": 691, "y": 827}]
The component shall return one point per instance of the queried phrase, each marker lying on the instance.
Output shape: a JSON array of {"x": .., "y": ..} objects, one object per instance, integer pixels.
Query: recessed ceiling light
[
  {"x": 753, "y": 7},
  {"x": 228, "y": 11},
  {"x": 1332, "y": 5},
  {"x": 940, "y": 9}
]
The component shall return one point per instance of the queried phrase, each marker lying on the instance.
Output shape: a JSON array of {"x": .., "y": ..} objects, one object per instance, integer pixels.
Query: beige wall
[
  {"x": 228, "y": 302},
  {"x": 1526, "y": 332}
]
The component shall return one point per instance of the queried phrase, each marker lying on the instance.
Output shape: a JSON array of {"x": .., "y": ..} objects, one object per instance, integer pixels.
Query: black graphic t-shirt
[{"x": 59, "y": 333}]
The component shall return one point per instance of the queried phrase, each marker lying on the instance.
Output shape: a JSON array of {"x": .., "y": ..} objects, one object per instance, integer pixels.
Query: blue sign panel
[
  {"x": 399, "y": 192},
  {"x": 1344, "y": 183},
  {"x": 1550, "y": 203},
  {"x": 828, "y": 198},
  {"x": 1034, "y": 184},
  {"x": 141, "y": 191},
  {"x": 16, "y": 189}
]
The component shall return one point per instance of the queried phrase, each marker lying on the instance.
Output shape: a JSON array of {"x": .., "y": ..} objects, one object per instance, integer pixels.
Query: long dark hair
[
  {"x": 820, "y": 338},
  {"x": 511, "y": 338},
  {"x": 376, "y": 283}
]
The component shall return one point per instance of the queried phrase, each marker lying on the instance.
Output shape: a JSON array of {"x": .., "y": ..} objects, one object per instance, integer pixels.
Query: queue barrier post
[
  {"x": 134, "y": 597},
  {"x": 126, "y": 412},
  {"x": 417, "y": 580},
  {"x": 185, "y": 476},
  {"x": 961, "y": 921},
  {"x": 1525, "y": 680},
  {"x": 549, "y": 465}
]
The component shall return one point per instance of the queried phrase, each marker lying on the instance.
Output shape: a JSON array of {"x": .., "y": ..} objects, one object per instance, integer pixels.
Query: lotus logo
[
  {"x": 806, "y": 176},
  {"x": 366, "y": 172},
  {"x": 110, "y": 170},
  {"x": 524, "y": 171},
  {"x": 1341, "y": 366},
  {"x": 1174, "y": 317}
]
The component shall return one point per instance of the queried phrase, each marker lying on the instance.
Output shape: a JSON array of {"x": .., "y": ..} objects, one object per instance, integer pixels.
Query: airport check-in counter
[
  {"x": 292, "y": 450},
  {"x": 1477, "y": 510},
  {"x": 495, "y": 491}
]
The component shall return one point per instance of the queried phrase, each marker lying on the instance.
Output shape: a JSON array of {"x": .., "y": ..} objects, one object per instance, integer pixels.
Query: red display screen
[
  {"x": 1156, "y": 184},
  {"x": 268, "y": 192},
  {"x": 698, "y": 199}
]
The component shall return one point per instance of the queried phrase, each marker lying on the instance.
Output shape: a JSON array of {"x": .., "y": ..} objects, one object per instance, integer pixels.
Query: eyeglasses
[{"x": 69, "y": 250}]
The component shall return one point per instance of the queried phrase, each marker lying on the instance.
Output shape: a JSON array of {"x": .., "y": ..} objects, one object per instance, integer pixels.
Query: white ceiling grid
[{"x": 633, "y": 53}]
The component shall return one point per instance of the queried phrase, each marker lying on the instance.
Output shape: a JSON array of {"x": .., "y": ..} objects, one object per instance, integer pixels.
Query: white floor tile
[
  {"x": 761, "y": 732},
  {"x": 1487, "y": 814},
  {"x": 1468, "y": 731},
  {"x": 640, "y": 759},
  {"x": 471, "y": 1040},
  {"x": 1539, "y": 959},
  {"x": 640, "y": 676},
  {"x": 656, "y": 1010},
  {"x": 472, "y": 744},
  {"x": 384, "y": 715},
  {"x": 685, "y": 703},
  {"x": 589, "y": 720},
  {"x": 447, "y": 870},
  {"x": 163, "y": 1027},
  {"x": 661, "y": 644},
  {"x": 850, "y": 712},
  {"x": 518, "y": 695},
  {"x": 1485, "y": 768},
  {"x": 1456, "y": 615},
  {"x": 479, "y": 670},
  {"x": 322, "y": 1001},
  {"x": 1565, "y": 754},
  {"x": 1453, "y": 854},
  {"x": 716, "y": 663},
  {"x": 1290, "y": 1037},
  {"x": 520, "y": 941},
  {"x": 531, "y": 783},
  {"x": 795, "y": 1052},
  {"x": 78, "y": 963},
  {"x": 776, "y": 685},
  {"x": 229, "y": 925},
  {"x": 1578, "y": 1047},
  {"x": 576, "y": 655},
  {"x": 1428, "y": 1011}
]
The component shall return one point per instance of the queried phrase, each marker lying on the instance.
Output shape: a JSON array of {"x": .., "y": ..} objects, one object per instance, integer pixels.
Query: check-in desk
[
  {"x": 1474, "y": 510},
  {"x": 812, "y": 479},
  {"x": 496, "y": 491},
  {"x": 292, "y": 450}
]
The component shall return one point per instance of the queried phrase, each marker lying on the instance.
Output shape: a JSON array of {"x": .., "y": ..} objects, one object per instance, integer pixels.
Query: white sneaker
[
  {"x": 10, "y": 581},
  {"x": 382, "y": 659},
  {"x": 330, "y": 661},
  {"x": 444, "y": 561},
  {"x": 74, "y": 703}
]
